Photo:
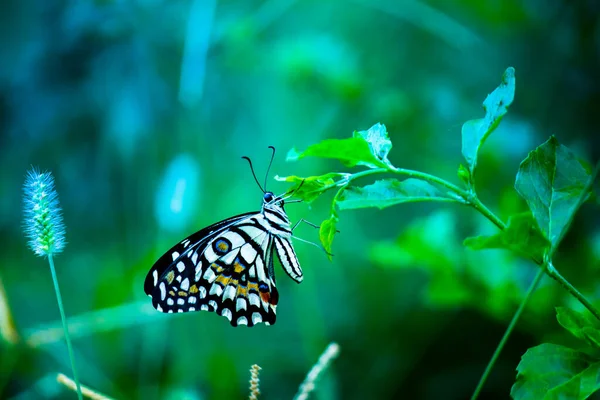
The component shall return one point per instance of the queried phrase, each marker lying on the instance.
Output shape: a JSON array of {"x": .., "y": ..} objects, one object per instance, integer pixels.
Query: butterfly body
[{"x": 227, "y": 267}]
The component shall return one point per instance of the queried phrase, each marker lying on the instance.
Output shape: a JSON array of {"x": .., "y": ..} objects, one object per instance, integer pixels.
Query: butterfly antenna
[
  {"x": 253, "y": 174},
  {"x": 269, "y": 167}
]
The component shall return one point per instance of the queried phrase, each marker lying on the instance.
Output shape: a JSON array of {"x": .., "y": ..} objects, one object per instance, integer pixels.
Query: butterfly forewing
[{"x": 226, "y": 268}]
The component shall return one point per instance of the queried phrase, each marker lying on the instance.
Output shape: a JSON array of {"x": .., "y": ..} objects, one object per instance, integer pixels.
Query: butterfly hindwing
[
  {"x": 167, "y": 261},
  {"x": 225, "y": 268}
]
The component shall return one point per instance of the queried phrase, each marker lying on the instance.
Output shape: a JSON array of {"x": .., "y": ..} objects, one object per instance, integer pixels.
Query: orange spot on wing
[
  {"x": 265, "y": 296},
  {"x": 193, "y": 289},
  {"x": 216, "y": 268},
  {"x": 170, "y": 276},
  {"x": 223, "y": 280},
  {"x": 182, "y": 293},
  {"x": 242, "y": 291},
  {"x": 172, "y": 293},
  {"x": 223, "y": 246},
  {"x": 237, "y": 267}
]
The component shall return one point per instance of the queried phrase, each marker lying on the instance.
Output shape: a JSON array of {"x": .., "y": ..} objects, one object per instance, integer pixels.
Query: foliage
[
  {"x": 142, "y": 111},
  {"x": 552, "y": 181},
  {"x": 551, "y": 371}
]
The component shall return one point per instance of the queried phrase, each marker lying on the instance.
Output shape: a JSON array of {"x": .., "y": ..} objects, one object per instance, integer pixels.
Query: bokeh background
[{"x": 142, "y": 110}]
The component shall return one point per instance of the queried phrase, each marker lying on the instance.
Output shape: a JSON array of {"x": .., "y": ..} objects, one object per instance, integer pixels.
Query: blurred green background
[{"x": 142, "y": 110}]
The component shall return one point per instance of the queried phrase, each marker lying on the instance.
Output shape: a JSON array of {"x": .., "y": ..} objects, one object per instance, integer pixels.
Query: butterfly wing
[{"x": 225, "y": 268}]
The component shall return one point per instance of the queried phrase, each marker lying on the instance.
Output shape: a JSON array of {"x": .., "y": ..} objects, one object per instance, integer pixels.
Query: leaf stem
[
  {"x": 554, "y": 274},
  {"x": 64, "y": 324},
  {"x": 488, "y": 369}
]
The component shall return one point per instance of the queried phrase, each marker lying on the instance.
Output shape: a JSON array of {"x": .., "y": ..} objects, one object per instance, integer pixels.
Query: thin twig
[
  {"x": 330, "y": 353},
  {"x": 254, "y": 382},
  {"x": 86, "y": 391},
  {"x": 8, "y": 331}
]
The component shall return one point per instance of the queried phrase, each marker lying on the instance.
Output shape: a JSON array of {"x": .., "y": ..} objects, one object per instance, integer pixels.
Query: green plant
[
  {"x": 553, "y": 182},
  {"x": 45, "y": 230}
]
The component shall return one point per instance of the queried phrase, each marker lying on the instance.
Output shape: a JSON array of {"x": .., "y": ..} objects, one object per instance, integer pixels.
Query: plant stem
[
  {"x": 554, "y": 274},
  {"x": 64, "y": 324},
  {"x": 507, "y": 333}
]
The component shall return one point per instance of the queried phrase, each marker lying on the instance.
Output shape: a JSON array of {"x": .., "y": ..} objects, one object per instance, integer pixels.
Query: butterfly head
[{"x": 271, "y": 201}]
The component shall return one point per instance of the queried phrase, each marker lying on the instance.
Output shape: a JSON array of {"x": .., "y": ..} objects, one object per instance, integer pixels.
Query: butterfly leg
[
  {"x": 307, "y": 241},
  {"x": 306, "y": 222}
]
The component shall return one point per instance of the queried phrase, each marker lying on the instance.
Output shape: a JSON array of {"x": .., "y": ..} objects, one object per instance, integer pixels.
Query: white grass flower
[{"x": 43, "y": 225}]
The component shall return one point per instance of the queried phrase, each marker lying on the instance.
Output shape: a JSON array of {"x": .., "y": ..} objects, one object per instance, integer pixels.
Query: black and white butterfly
[{"x": 227, "y": 267}]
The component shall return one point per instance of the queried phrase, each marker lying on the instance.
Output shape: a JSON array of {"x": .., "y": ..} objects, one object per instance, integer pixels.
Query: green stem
[
  {"x": 554, "y": 274},
  {"x": 64, "y": 324},
  {"x": 507, "y": 333},
  {"x": 479, "y": 206}
]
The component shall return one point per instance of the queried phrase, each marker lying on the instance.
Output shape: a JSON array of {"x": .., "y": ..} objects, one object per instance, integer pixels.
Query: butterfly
[{"x": 227, "y": 267}]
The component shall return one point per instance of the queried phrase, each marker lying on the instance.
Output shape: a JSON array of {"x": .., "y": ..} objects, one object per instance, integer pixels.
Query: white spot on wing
[
  {"x": 163, "y": 290},
  {"x": 256, "y": 318},
  {"x": 240, "y": 304},
  {"x": 248, "y": 253},
  {"x": 194, "y": 257},
  {"x": 253, "y": 299},
  {"x": 198, "y": 272},
  {"x": 175, "y": 255},
  {"x": 159, "y": 308},
  {"x": 185, "y": 285},
  {"x": 155, "y": 276},
  {"x": 230, "y": 292},
  {"x": 235, "y": 239},
  {"x": 216, "y": 289},
  {"x": 204, "y": 307},
  {"x": 210, "y": 254},
  {"x": 230, "y": 257},
  {"x": 170, "y": 301},
  {"x": 226, "y": 313},
  {"x": 192, "y": 309},
  {"x": 202, "y": 292},
  {"x": 209, "y": 275},
  {"x": 180, "y": 266},
  {"x": 213, "y": 304},
  {"x": 192, "y": 300},
  {"x": 242, "y": 321},
  {"x": 180, "y": 301}
]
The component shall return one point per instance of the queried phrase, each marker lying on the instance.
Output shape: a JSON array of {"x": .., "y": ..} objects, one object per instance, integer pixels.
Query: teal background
[{"x": 142, "y": 110}]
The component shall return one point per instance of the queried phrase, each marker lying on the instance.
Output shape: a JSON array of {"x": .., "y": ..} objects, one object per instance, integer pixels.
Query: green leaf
[
  {"x": 369, "y": 148},
  {"x": 521, "y": 235},
  {"x": 327, "y": 231},
  {"x": 309, "y": 188},
  {"x": 551, "y": 371},
  {"x": 464, "y": 175},
  {"x": 475, "y": 132},
  {"x": 551, "y": 180},
  {"x": 389, "y": 192},
  {"x": 378, "y": 140},
  {"x": 582, "y": 325}
]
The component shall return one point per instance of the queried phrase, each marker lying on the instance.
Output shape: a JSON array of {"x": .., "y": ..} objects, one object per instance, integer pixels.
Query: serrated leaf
[
  {"x": 378, "y": 140},
  {"x": 389, "y": 192},
  {"x": 327, "y": 231},
  {"x": 475, "y": 132},
  {"x": 551, "y": 180},
  {"x": 582, "y": 325},
  {"x": 350, "y": 152},
  {"x": 551, "y": 371},
  {"x": 522, "y": 235},
  {"x": 311, "y": 187}
]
